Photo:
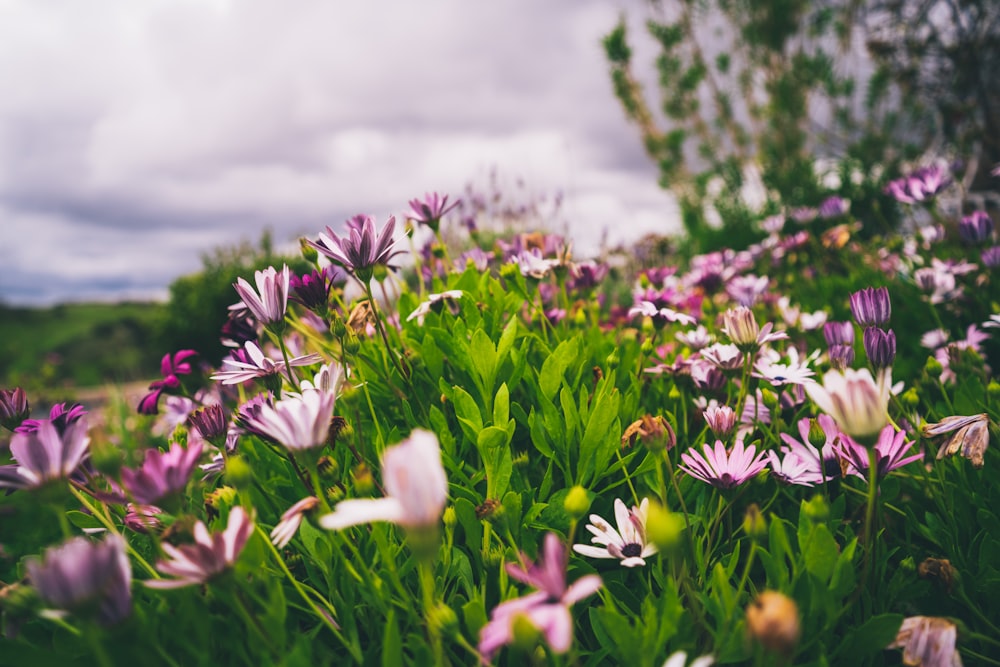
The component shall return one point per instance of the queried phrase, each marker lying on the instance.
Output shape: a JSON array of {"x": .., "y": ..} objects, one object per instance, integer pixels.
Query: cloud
[{"x": 134, "y": 136}]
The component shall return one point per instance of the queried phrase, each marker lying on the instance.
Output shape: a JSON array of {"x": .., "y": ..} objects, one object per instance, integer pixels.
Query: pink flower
[
  {"x": 254, "y": 364},
  {"x": 430, "y": 209},
  {"x": 660, "y": 316},
  {"x": 721, "y": 469},
  {"x": 297, "y": 423},
  {"x": 890, "y": 453},
  {"x": 362, "y": 249},
  {"x": 45, "y": 455},
  {"x": 855, "y": 401},
  {"x": 210, "y": 555},
  {"x": 291, "y": 520},
  {"x": 415, "y": 485},
  {"x": 170, "y": 368},
  {"x": 161, "y": 473},
  {"x": 548, "y": 608}
]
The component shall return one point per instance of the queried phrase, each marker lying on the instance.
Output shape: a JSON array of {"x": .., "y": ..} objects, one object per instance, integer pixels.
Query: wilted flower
[
  {"x": 252, "y": 363},
  {"x": 430, "y": 209},
  {"x": 628, "y": 543},
  {"x": 297, "y": 422},
  {"x": 291, "y": 520},
  {"x": 161, "y": 473},
  {"x": 721, "y": 469},
  {"x": 870, "y": 306},
  {"x": 434, "y": 302},
  {"x": 976, "y": 228},
  {"x": 856, "y": 402},
  {"x": 14, "y": 408},
  {"x": 361, "y": 250},
  {"x": 547, "y": 609},
  {"x": 45, "y": 454},
  {"x": 415, "y": 485},
  {"x": 890, "y": 453},
  {"x": 970, "y": 436},
  {"x": 84, "y": 577},
  {"x": 773, "y": 620},
  {"x": 170, "y": 368},
  {"x": 210, "y": 555},
  {"x": 654, "y": 433},
  {"x": 928, "y": 641},
  {"x": 269, "y": 302}
]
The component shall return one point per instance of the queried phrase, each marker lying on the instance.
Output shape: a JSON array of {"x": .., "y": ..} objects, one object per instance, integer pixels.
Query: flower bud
[
  {"x": 351, "y": 344},
  {"x": 871, "y": 307},
  {"x": 769, "y": 399},
  {"x": 933, "y": 367},
  {"x": 754, "y": 523},
  {"x": 773, "y": 621},
  {"x": 577, "y": 502},
  {"x": 910, "y": 398},
  {"x": 364, "y": 483},
  {"x": 308, "y": 252},
  {"x": 880, "y": 346},
  {"x": 450, "y": 517},
  {"x": 674, "y": 394},
  {"x": 993, "y": 390},
  {"x": 526, "y": 635},
  {"x": 14, "y": 408},
  {"x": 328, "y": 469},
  {"x": 664, "y": 528},
  {"x": 337, "y": 327},
  {"x": 443, "y": 619}
]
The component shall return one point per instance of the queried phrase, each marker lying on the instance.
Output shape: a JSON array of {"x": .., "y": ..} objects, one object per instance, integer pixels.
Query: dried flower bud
[
  {"x": 938, "y": 570},
  {"x": 655, "y": 433},
  {"x": 773, "y": 620}
]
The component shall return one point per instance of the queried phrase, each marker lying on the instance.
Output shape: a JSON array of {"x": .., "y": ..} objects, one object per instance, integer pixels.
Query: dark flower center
[{"x": 631, "y": 550}]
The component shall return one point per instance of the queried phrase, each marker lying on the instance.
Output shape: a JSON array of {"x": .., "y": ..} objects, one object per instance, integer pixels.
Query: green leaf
[
  {"x": 467, "y": 411},
  {"x": 392, "y": 643},
  {"x": 501, "y": 406},
  {"x": 494, "y": 448},
  {"x": 506, "y": 340},
  {"x": 821, "y": 552},
  {"x": 870, "y": 638},
  {"x": 83, "y": 521},
  {"x": 484, "y": 359},
  {"x": 555, "y": 366}
]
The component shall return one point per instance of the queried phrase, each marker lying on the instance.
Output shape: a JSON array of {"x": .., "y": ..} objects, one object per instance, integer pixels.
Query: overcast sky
[{"x": 137, "y": 134}]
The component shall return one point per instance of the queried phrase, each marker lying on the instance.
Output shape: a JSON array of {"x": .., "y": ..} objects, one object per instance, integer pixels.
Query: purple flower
[
  {"x": 628, "y": 543},
  {"x": 210, "y": 555},
  {"x": 85, "y": 577},
  {"x": 721, "y": 469},
  {"x": 841, "y": 356},
  {"x": 142, "y": 518},
  {"x": 431, "y": 209},
  {"x": 890, "y": 453},
  {"x": 161, "y": 473},
  {"x": 870, "y": 306},
  {"x": 297, "y": 423},
  {"x": 991, "y": 257},
  {"x": 45, "y": 454},
  {"x": 210, "y": 423},
  {"x": 269, "y": 302},
  {"x": 880, "y": 346},
  {"x": 838, "y": 333},
  {"x": 361, "y": 250},
  {"x": 793, "y": 469},
  {"x": 746, "y": 290},
  {"x": 587, "y": 275},
  {"x": 60, "y": 416},
  {"x": 919, "y": 186},
  {"x": 14, "y": 408},
  {"x": 833, "y": 207},
  {"x": 415, "y": 484},
  {"x": 976, "y": 228},
  {"x": 695, "y": 339},
  {"x": 170, "y": 368},
  {"x": 723, "y": 356},
  {"x": 548, "y": 608},
  {"x": 312, "y": 289}
]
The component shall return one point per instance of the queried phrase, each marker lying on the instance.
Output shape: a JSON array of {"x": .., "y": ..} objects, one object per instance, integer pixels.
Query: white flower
[
  {"x": 269, "y": 302},
  {"x": 855, "y": 401},
  {"x": 259, "y": 365},
  {"x": 431, "y": 302},
  {"x": 628, "y": 543},
  {"x": 297, "y": 422},
  {"x": 415, "y": 485},
  {"x": 679, "y": 659}
]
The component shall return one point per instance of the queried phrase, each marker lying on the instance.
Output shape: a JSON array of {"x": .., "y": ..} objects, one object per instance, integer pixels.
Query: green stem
[
  {"x": 106, "y": 522},
  {"x": 428, "y": 588}
]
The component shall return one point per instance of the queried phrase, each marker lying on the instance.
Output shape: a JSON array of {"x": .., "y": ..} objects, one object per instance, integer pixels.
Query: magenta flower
[
  {"x": 921, "y": 185},
  {"x": 270, "y": 300},
  {"x": 312, "y": 289},
  {"x": 297, "y": 422},
  {"x": 361, "y": 250},
  {"x": 14, "y": 408},
  {"x": 45, "y": 454},
  {"x": 871, "y": 307},
  {"x": 721, "y": 469},
  {"x": 210, "y": 555},
  {"x": 890, "y": 453},
  {"x": 161, "y": 473},
  {"x": 430, "y": 209},
  {"x": 548, "y": 608},
  {"x": 85, "y": 577},
  {"x": 60, "y": 416},
  {"x": 252, "y": 364},
  {"x": 415, "y": 484},
  {"x": 627, "y": 543},
  {"x": 170, "y": 368},
  {"x": 976, "y": 228},
  {"x": 720, "y": 419}
]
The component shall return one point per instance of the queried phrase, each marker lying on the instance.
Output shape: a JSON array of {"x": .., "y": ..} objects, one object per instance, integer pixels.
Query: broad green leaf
[{"x": 467, "y": 411}]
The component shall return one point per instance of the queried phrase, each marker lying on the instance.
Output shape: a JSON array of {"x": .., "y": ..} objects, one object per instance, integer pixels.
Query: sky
[{"x": 136, "y": 135}]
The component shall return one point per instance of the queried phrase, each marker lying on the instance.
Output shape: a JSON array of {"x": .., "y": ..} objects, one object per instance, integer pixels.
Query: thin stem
[
  {"x": 429, "y": 598},
  {"x": 106, "y": 522}
]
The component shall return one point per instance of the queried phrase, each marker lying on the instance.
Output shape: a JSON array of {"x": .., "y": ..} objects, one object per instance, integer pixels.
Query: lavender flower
[
  {"x": 855, "y": 401},
  {"x": 880, "y": 346},
  {"x": 696, "y": 339},
  {"x": 170, "y": 367},
  {"x": 45, "y": 454},
  {"x": 270, "y": 301},
  {"x": 361, "y": 250},
  {"x": 838, "y": 333},
  {"x": 84, "y": 577},
  {"x": 793, "y": 469},
  {"x": 833, "y": 207},
  {"x": 628, "y": 543},
  {"x": 547, "y": 608},
  {"x": 161, "y": 473},
  {"x": 14, "y": 408},
  {"x": 430, "y": 209},
  {"x": 919, "y": 186},
  {"x": 722, "y": 356},
  {"x": 795, "y": 372},
  {"x": 841, "y": 356},
  {"x": 721, "y": 469},
  {"x": 976, "y": 228},
  {"x": 991, "y": 257},
  {"x": 210, "y": 423},
  {"x": 209, "y": 555},
  {"x": 415, "y": 484},
  {"x": 252, "y": 364},
  {"x": 142, "y": 518},
  {"x": 297, "y": 423},
  {"x": 747, "y": 290},
  {"x": 871, "y": 307},
  {"x": 890, "y": 453},
  {"x": 970, "y": 436}
]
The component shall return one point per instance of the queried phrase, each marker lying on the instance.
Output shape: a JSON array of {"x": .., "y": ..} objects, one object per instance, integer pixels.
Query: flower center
[{"x": 632, "y": 550}]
